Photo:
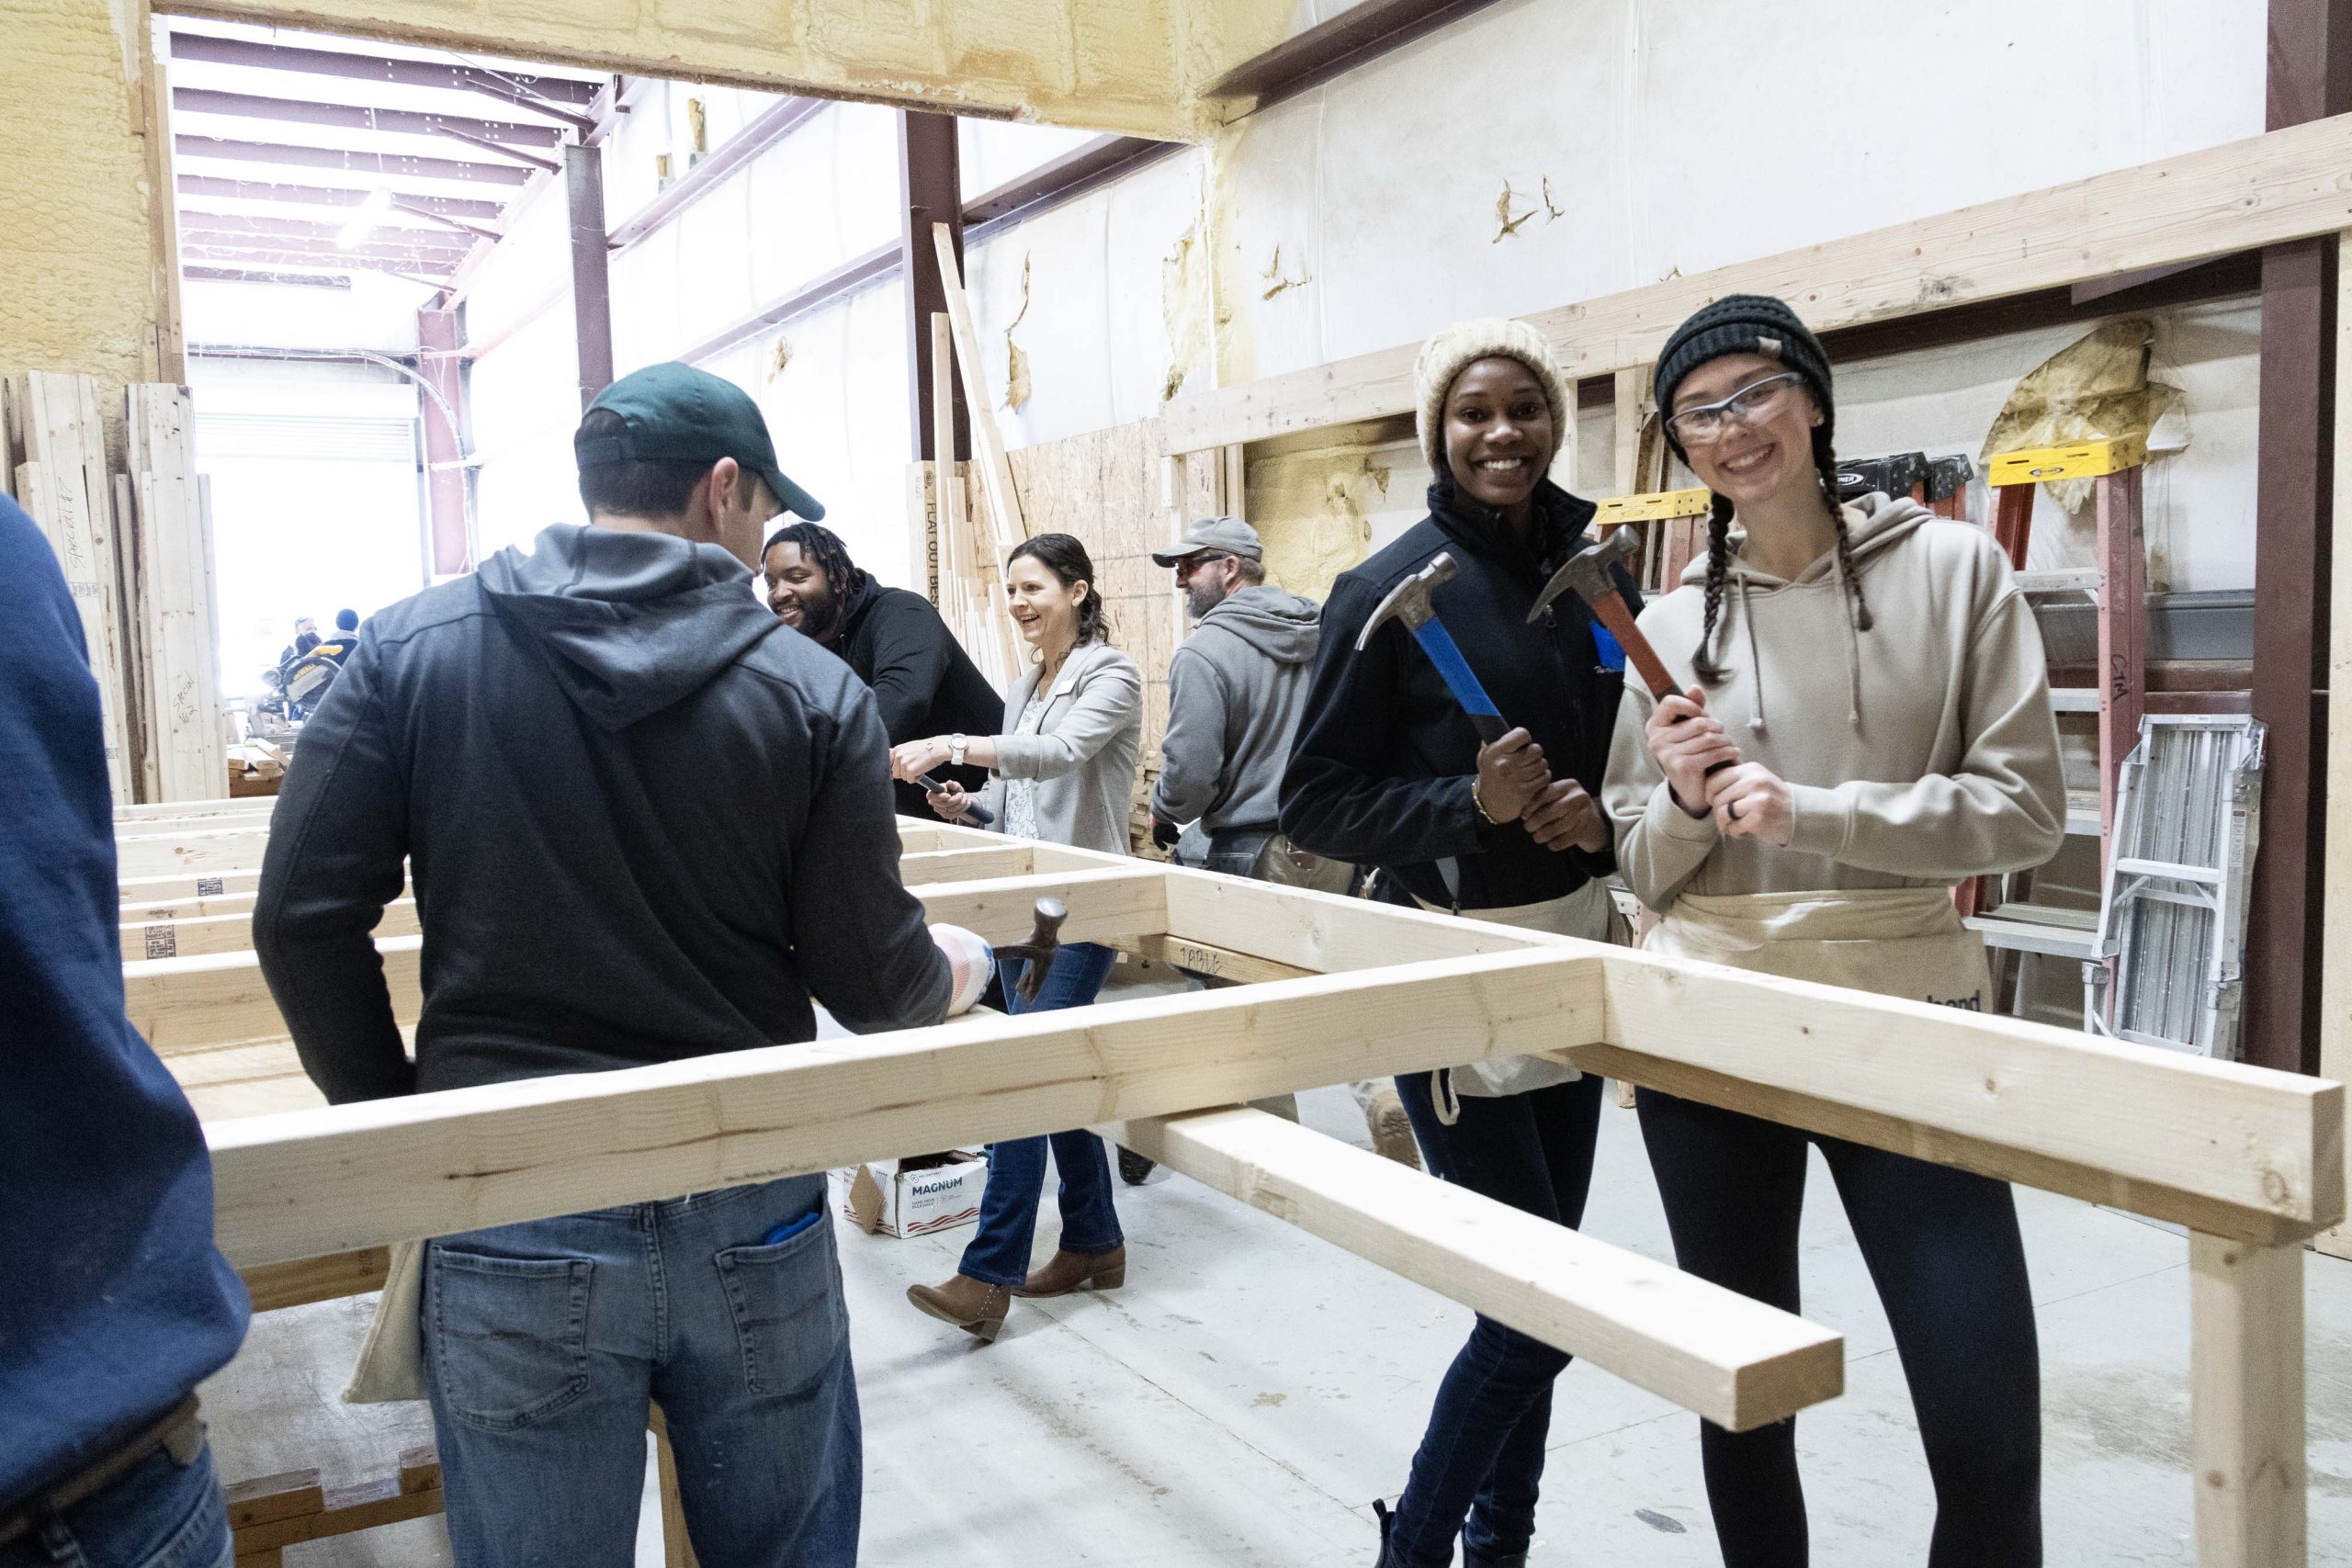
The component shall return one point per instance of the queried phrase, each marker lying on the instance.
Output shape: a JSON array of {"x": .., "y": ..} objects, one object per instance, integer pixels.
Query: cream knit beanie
[{"x": 1449, "y": 353}]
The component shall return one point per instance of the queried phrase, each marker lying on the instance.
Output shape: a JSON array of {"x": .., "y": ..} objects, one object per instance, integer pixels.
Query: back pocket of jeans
[
  {"x": 786, "y": 1303},
  {"x": 509, "y": 1336}
]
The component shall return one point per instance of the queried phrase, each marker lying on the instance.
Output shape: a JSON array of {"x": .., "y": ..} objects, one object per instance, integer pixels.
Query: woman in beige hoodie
[{"x": 1870, "y": 724}]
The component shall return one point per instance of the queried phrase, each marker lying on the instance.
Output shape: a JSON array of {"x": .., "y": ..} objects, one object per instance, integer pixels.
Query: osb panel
[
  {"x": 1107, "y": 489},
  {"x": 78, "y": 284},
  {"x": 1113, "y": 65}
]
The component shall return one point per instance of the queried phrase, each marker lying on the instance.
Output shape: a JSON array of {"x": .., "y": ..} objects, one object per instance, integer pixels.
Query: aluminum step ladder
[{"x": 2167, "y": 966}]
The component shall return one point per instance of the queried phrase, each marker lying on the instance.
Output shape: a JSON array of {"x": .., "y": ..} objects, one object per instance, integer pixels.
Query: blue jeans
[
  {"x": 999, "y": 1253},
  {"x": 545, "y": 1342},
  {"x": 160, "y": 1513},
  {"x": 1482, "y": 1453}
]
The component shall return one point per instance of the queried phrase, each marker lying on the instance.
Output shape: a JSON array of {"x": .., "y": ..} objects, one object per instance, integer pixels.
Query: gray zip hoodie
[
  {"x": 1917, "y": 754},
  {"x": 1235, "y": 691}
]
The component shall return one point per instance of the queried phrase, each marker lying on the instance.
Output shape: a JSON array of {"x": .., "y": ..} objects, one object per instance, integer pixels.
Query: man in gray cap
[{"x": 1235, "y": 691}]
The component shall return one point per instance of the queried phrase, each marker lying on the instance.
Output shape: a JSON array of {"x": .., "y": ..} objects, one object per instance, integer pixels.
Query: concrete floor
[{"x": 1251, "y": 1389}]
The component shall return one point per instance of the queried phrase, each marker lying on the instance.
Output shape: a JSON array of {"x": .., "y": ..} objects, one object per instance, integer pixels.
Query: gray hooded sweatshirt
[
  {"x": 1235, "y": 691},
  {"x": 1917, "y": 754},
  {"x": 644, "y": 822}
]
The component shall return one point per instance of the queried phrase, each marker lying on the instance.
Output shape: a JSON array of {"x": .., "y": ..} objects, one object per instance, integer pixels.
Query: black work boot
[
  {"x": 1472, "y": 1559},
  {"x": 1133, "y": 1168}
]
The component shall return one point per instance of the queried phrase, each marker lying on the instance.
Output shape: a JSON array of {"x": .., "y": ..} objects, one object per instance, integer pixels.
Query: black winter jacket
[
  {"x": 924, "y": 680},
  {"x": 642, "y": 821},
  {"x": 1382, "y": 768}
]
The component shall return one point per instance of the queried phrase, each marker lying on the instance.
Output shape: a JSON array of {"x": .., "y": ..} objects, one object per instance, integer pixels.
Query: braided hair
[
  {"x": 1718, "y": 573},
  {"x": 825, "y": 551},
  {"x": 1824, "y": 464}
]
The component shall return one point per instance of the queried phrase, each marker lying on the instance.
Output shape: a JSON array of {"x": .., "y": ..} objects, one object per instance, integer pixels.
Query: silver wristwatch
[{"x": 955, "y": 744}]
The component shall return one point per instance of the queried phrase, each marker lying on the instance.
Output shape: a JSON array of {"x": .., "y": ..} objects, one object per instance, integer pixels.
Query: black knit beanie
[{"x": 1742, "y": 323}]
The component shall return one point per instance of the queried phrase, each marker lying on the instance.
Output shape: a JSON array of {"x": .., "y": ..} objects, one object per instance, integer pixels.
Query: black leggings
[{"x": 1943, "y": 1248}]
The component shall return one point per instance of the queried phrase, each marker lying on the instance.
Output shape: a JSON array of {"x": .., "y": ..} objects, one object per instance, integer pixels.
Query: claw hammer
[
  {"x": 1037, "y": 952},
  {"x": 1587, "y": 572},
  {"x": 1408, "y": 603}
]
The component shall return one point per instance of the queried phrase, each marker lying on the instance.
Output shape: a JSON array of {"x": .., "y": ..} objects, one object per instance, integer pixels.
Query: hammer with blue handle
[{"x": 1408, "y": 603}]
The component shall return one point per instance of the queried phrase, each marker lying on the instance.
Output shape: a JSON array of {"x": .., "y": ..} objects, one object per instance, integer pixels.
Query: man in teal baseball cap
[
  {"x": 684, "y": 451},
  {"x": 647, "y": 821}
]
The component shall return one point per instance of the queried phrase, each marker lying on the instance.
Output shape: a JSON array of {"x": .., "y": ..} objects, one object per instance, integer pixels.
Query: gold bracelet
[{"x": 1480, "y": 805}]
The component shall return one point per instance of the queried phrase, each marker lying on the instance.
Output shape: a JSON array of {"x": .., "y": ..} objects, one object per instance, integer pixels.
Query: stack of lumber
[
  {"x": 57, "y": 457},
  {"x": 184, "y": 757},
  {"x": 136, "y": 548},
  {"x": 965, "y": 585}
]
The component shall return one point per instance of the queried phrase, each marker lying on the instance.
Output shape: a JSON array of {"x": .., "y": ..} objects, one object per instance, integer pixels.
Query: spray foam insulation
[
  {"x": 1314, "y": 511},
  {"x": 1111, "y": 65},
  {"x": 1187, "y": 304},
  {"x": 79, "y": 287}
]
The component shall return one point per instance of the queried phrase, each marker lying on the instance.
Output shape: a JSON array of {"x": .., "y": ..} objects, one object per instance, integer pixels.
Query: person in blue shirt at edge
[
  {"x": 1388, "y": 773},
  {"x": 644, "y": 823},
  {"x": 117, "y": 1303}
]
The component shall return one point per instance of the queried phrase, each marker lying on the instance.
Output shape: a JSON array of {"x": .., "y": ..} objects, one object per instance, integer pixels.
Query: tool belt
[
  {"x": 1895, "y": 941},
  {"x": 178, "y": 1433},
  {"x": 1587, "y": 912}
]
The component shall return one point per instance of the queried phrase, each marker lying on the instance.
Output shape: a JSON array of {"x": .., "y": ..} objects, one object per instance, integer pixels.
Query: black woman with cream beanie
[
  {"x": 1387, "y": 771},
  {"x": 1866, "y": 722}
]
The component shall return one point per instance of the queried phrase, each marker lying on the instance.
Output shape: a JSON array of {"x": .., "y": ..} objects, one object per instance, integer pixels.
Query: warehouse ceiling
[{"x": 301, "y": 159}]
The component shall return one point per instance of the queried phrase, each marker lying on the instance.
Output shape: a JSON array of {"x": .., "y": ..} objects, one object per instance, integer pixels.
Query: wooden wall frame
[
  {"x": 2253, "y": 1161},
  {"x": 2282, "y": 186}
]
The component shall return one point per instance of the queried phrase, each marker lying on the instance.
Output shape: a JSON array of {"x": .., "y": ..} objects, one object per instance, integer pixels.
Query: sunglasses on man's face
[{"x": 1703, "y": 422}]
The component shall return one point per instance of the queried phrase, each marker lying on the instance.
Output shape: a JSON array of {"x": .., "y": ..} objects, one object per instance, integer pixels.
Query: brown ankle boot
[
  {"x": 1069, "y": 1270},
  {"x": 1392, "y": 1130},
  {"x": 977, "y": 1308}
]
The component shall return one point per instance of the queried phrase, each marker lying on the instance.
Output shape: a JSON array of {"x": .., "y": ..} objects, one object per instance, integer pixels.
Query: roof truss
[{"x": 360, "y": 116}]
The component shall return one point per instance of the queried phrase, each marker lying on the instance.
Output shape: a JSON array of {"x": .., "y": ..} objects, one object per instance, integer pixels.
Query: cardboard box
[{"x": 885, "y": 1200}]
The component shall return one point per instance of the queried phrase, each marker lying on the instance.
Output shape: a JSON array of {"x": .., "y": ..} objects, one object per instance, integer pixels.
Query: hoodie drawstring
[{"x": 1755, "y": 659}]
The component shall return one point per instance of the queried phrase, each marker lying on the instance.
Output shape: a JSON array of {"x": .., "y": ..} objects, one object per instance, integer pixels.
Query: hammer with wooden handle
[
  {"x": 1587, "y": 572},
  {"x": 1408, "y": 603}
]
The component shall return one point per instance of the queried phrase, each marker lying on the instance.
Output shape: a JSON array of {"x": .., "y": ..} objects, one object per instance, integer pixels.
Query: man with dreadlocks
[
  {"x": 924, "y": 680},
  {"x": 1870, "y": 724}
]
